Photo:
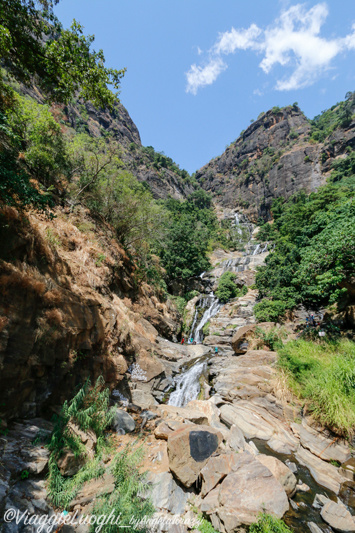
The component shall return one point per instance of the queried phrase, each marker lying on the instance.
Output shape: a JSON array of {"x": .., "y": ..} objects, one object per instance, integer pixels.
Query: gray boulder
[
  {"x": 123, "y": 421},
  {"x": 338, "y": 517}
]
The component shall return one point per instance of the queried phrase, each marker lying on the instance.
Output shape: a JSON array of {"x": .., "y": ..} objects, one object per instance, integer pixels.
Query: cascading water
[
  {"x": 210, "y": 312},
  {"x": 237, "y": 224},
  {"x": 187, "y": 385}
]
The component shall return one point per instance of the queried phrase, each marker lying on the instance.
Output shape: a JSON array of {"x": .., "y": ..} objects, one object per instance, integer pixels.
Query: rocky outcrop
[
  {"x": 189, "y": 449},
  {"x": 244, "y": 493},
  {"x": 164, "y": 180},
  {"x": 272, "y": 158},
  {"x": 70, "y": 309}
]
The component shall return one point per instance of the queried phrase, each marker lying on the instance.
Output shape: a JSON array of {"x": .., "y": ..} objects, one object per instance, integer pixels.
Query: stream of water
[{"x": 187, "y": 385}]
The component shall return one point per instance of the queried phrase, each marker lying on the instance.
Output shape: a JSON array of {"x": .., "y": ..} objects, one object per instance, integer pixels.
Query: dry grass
[
  {"x": 3, "y": 321},
  {"x": 54, "y": 317},
  {"x": 52, "y": 298},
  {"x": 21, "y": 280}
]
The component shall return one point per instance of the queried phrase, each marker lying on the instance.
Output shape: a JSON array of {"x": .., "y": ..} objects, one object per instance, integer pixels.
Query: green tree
[{"x": 34, "y": 45}]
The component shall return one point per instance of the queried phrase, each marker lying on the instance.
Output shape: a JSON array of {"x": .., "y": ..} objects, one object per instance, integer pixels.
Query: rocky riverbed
[{"x": 222, "y": 436}]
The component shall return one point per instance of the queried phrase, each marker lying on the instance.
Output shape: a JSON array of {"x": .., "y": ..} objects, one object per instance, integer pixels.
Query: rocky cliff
[
  {"x": 162, "y": 175},
  {"x": 276, "y": 156},
  {"x": 71, "y": 307}
]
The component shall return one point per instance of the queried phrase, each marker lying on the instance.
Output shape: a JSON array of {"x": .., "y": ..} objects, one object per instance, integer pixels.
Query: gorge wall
[{"x": 274, "y": 157}]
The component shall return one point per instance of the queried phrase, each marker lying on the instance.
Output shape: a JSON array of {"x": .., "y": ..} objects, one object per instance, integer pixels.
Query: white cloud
[
  {"x": 292, "y": 41},
  {"x": 199, "y": 76},
  {"x": 233, "y": 40}
]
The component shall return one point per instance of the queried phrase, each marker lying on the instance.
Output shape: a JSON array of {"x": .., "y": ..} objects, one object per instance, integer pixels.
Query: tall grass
[
  {"x": 323, "y": 374},
  {"x": 269, "y": 524}
]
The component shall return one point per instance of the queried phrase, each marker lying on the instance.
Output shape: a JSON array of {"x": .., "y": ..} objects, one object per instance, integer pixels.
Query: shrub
[
  {"x": 269, "y": 524},
  {"x": 227, "y": 287},
  {"x": 269, "y": 310},
  {"x": 89, "y": 409}
]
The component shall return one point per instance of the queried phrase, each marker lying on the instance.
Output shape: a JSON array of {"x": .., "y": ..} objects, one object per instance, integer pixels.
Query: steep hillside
[
  {"x": 277, "y": 155},
  {"x": 72, "y": 306},
  {"x": 163, "y": 176}
]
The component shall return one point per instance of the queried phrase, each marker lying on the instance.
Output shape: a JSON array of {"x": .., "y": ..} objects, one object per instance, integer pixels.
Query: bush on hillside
[
  {"x": 323, "y": 374},
  {"x": 269, "y": 310},
  {"x": 227, "y": 288}
]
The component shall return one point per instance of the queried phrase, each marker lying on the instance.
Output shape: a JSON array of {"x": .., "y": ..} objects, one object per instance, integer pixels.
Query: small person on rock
[{"x": 216, "y": 350}]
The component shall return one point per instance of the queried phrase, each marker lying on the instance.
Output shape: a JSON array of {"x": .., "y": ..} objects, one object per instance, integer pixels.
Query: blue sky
[{"x": 198, "y": 71}]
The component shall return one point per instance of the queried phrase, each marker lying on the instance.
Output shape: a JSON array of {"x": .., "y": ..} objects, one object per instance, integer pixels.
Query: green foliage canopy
[{"x": 33, "y": 44}]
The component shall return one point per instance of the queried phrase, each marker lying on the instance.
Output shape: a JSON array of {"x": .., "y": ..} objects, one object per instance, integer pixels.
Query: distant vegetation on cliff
[{"x": 314, "y": 256}]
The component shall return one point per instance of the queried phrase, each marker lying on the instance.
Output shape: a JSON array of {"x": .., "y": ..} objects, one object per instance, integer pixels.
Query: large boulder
[
  {"x": 189, "y": 449},
  {"x": 122, "y": 422},
  {"x": 216, "y": 469},
  {"x": 324, "y": 473},
  {"x": 338, "y": 517},
  {"x": 326, "y": 448},
  {"x": 257, "y": 422},
  {"x": 240, "y": 338},
  {"x": 167, "y": 495},
  {"x": 243, "y": 494},
  {"x": 182, "y": 414},
  {"x": 282, "y": 473}
]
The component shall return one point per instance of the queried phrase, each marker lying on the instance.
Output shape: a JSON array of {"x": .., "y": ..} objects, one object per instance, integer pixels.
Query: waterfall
[
  {"x": 237, "y": 224},
  {"x": 256, "y": 251},
  {"x": 210, "y": 312},
  {"x": 187, "y": 386},
  {"x": 194, "y": 322}
]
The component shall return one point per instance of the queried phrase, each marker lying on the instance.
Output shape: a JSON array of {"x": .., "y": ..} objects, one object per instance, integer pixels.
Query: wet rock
[
  {"x": 302, "y": 487},
  {"x": 167, "y": 494},
  {"x": 314, "y": 528},
  {"x": 123, "y": 420},
  {"x": 317, "y": 443},
  {"x": 291, "y": 466},
  {"x": 347, "y": 469},
  {"x": 347, "y": 493},
  {"x": 319, "y": 501},
  {"x": 324, "y": 473},
  {"x": 338, "y": 517},
  {"x": 189, "y": 449},
  {"x": 249, "y": 490},
  {"x": 281, "y": 472}
]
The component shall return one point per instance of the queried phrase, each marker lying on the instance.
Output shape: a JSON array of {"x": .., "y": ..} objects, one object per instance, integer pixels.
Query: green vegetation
[
  {"x": 127, "y": 498},
  {"x": 89, "y": 410},
  {"x": 34, "y": 45},
  {"x": 314, "y": 255},
  {"x": 192, "y": 231},
  {"x": 271, "y": 337},
  {"x": 227, "y": 288},
  {"x": 204, "y": 526},
  {"x": 323, "y": 374},
  {"x": 340, "y": 114},
  {"x": 269, "y": 524}
]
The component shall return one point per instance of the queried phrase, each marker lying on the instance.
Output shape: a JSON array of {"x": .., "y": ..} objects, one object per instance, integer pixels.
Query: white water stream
[{"x": 187, "y": 386}]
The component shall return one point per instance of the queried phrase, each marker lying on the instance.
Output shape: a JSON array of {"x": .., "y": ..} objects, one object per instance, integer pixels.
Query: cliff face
[
  {"x": 71, "y": 307},
  {"x": 274, "y": 157},
  {"x": 164, "y": 178}
]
